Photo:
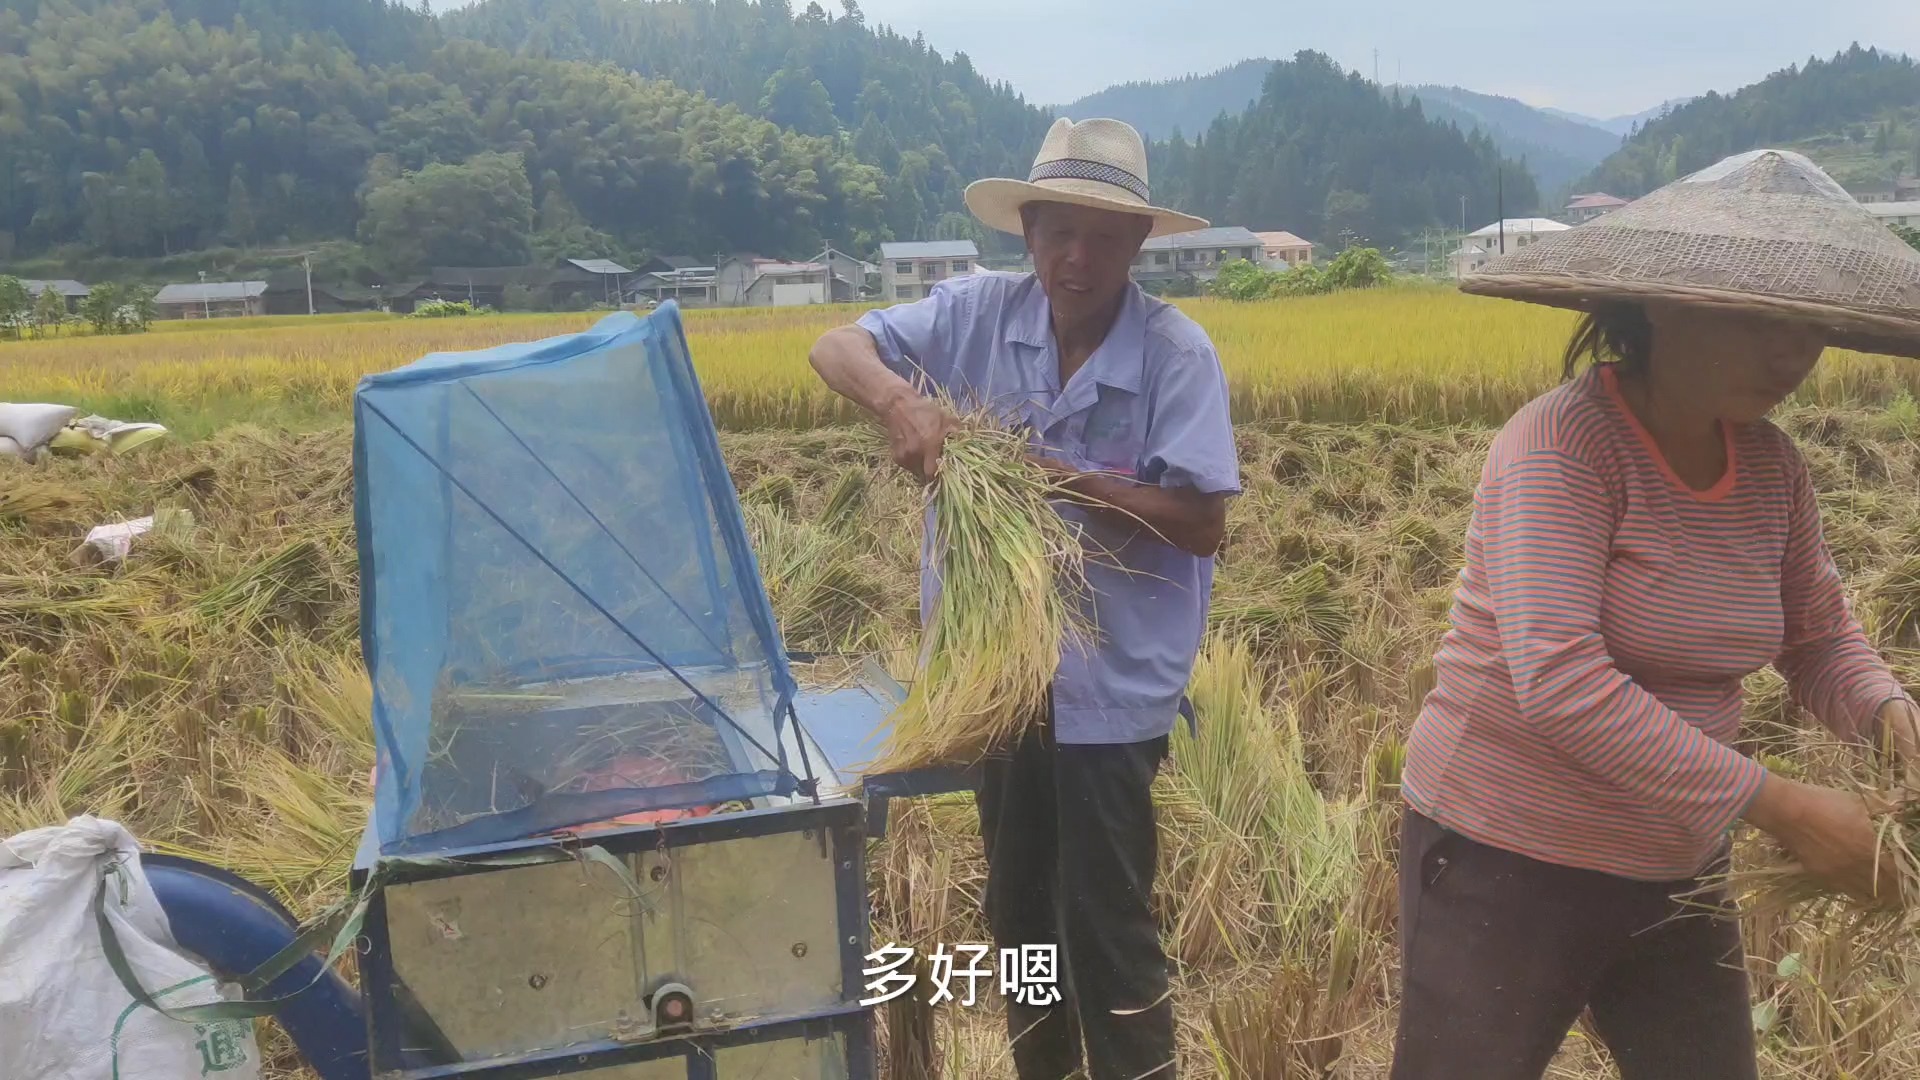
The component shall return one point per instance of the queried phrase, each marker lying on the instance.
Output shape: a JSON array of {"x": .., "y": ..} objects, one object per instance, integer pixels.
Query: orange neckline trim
[{"x": 1721, "y": 488}]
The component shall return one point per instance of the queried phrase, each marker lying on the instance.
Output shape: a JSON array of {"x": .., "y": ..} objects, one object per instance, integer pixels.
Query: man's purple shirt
[{"x": 1150, "y": 403}]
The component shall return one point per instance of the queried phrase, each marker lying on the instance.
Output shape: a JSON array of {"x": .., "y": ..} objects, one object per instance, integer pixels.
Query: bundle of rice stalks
[
  {"x": 776, "y": 489},
  {"x": 1302, "y": 612},
  {"x": 1262, "y": 861},
  {"x": 33, "y": 502},
  {"x": 843, "y": 505},
  {"x": 911, "y": 1053},
  {"x": 1895, "y": 603},
  {"x": 1780, "y": 884},
  {"x": 1274, "y": 1032},
  {"x": 1012, "y": 574},
  {"x": 824, "y": 594},
  {"x": 292, "y": 576}
]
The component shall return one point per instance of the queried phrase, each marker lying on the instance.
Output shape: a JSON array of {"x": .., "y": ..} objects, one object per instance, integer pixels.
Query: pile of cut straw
[{"x": 1012, "y": 583}]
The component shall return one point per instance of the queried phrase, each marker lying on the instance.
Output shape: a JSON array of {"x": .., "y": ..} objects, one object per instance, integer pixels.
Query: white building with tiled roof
[{"x": 910, "y": 270}]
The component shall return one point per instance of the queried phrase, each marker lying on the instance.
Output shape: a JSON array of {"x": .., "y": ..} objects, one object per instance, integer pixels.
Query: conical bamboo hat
[{"x": 1765, "y": 232}]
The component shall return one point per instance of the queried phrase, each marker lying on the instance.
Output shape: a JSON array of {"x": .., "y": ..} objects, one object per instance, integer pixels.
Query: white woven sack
[
  {"x": 33, "y": 426},
  {"x": 63, "y": 1013}
]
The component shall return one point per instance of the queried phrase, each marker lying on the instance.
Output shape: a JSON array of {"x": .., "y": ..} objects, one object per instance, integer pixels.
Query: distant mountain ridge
[
  {"x": 1857, "y": 114},
  {"x": 1557, "y": 150},
  {"x": 1620, "y": 125},
  {"x": 1187, "y": 104},
  {"x": 1324, "y": 155}
]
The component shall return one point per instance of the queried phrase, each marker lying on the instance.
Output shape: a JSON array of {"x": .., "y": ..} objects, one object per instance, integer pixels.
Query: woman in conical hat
[{"x": 1642, "y": 539}]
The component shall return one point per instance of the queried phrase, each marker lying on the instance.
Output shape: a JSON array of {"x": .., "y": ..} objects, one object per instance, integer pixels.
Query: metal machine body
[
  {"x": 605, "y": 840},
  {"x": 756, "y": 920}
]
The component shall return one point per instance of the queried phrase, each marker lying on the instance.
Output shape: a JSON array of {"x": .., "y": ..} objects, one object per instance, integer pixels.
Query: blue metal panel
[{"x": 851, "y": 726}]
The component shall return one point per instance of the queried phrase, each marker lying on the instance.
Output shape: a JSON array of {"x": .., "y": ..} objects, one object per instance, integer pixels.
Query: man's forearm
[
  {"x": 1187, "y": 519},
  {"x": 850, "y": 365}
]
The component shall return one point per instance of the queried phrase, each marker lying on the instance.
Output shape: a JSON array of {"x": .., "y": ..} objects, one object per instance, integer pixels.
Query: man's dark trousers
[{"x": 1071, "y": 849}]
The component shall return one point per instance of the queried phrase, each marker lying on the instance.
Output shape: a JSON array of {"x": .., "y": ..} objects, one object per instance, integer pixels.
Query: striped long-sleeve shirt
[{"x": 1589, "y": 688}]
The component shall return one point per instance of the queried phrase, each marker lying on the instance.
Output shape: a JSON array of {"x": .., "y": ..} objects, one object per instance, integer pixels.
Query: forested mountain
[
  {"x": 1558, "y": 150},
  {"x": 379, "y": 31},
  {"x": 129, "y": 129},
  {"x": 931, "y": 123},
  {"x": 1186, "y": 105},
  {"x": 1857, "y": 114},
  {"x": 1324, "y": 155}
]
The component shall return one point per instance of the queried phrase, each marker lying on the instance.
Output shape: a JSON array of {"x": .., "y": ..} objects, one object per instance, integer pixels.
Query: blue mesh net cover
[{"x": 561, "y": 615}]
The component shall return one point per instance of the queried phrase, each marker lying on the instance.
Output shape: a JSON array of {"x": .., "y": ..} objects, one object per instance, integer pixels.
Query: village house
[
  {"x": 689, "y": 285},
  {"x": 608, "y": 273},
  {"x": 909, "y": 271},
  {"x": 1584, "y": 208},
  {"x": 287, "y": 294},
  {"x": 211, "y": 300},
  {"x": 69, "y": 290},
  {"x": 1284, "y": 251},
  {"x": 1197, "y": 255},
  {"x": 1902, "y": 189},
  {"x": 1509, "y": 235},
  {"x": 1903, "y": 214}
]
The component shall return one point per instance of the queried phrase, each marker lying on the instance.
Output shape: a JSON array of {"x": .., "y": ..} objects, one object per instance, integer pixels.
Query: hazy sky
[{"x": 1602, "y": 58}]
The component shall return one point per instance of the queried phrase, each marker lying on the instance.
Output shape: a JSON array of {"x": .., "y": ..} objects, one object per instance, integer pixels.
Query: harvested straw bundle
[
  {"x": 1012, "y": 577},
  {"x": 1783, "y": 884}
]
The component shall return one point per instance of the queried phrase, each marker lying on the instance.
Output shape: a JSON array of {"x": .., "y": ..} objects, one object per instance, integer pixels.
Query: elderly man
[{"x": 1126, "y": 394}]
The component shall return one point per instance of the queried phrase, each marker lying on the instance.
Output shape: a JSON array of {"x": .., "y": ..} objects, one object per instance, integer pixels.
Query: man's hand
[
  {"x": 849, "y": 363},
  {"x": 1831, "y": 833},
  {"x": 916, "y": 430}
]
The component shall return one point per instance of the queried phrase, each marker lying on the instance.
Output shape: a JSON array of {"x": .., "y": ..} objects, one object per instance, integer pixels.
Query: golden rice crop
[
  {"x": 1410, "y": 353},
  {"x": 208, "y": 692}
]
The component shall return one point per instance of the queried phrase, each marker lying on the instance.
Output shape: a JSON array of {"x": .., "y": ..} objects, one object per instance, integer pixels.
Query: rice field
[
  {"x": 1410, "y": 354},
  {"x": 208, "y": 693}
]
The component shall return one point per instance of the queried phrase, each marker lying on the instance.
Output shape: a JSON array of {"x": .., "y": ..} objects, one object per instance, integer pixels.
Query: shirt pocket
[{"x": 1114, "y": 434}]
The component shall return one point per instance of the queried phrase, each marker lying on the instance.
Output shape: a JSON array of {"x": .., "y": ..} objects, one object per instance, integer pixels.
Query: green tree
[
  {"x": 478, "y": 213},
  {"x": 140, "y": 304},
  {"x": 15, "y": 304},
  {"x": 1911, "y": 236},
  {"x": 148, "y": 205},
  {"x": 240, "y": 224},
  {"x": 101, "y": 308},
  {"x": 49, "y": 311},
  {"x": 797, "y": 101}
]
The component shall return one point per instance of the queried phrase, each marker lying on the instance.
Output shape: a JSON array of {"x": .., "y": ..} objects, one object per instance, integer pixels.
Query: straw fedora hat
[
  {"x": 1765, "y": 232},
  {"x": 1097, "y": 163}
]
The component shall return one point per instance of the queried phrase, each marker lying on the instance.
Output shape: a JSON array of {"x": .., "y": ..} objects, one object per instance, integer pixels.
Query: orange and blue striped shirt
[{"x": 1588, "y": 690}]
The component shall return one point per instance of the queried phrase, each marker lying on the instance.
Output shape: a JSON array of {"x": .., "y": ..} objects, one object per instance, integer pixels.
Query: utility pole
[
  {"x": 306, "y": 263},
  {"x": 206, "y": 306},
  {"x": 1376, "y": 67},
  {"x": 1500, "y": 203}
]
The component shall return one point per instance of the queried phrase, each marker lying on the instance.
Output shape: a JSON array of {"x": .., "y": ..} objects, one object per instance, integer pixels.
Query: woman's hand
[
  {"x": 1831, "y": 834},
  {"x": 1900, "y": 727}
]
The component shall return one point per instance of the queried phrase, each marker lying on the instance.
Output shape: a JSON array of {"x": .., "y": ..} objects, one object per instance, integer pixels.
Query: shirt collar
[{"x": 1119, "y": 361}]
